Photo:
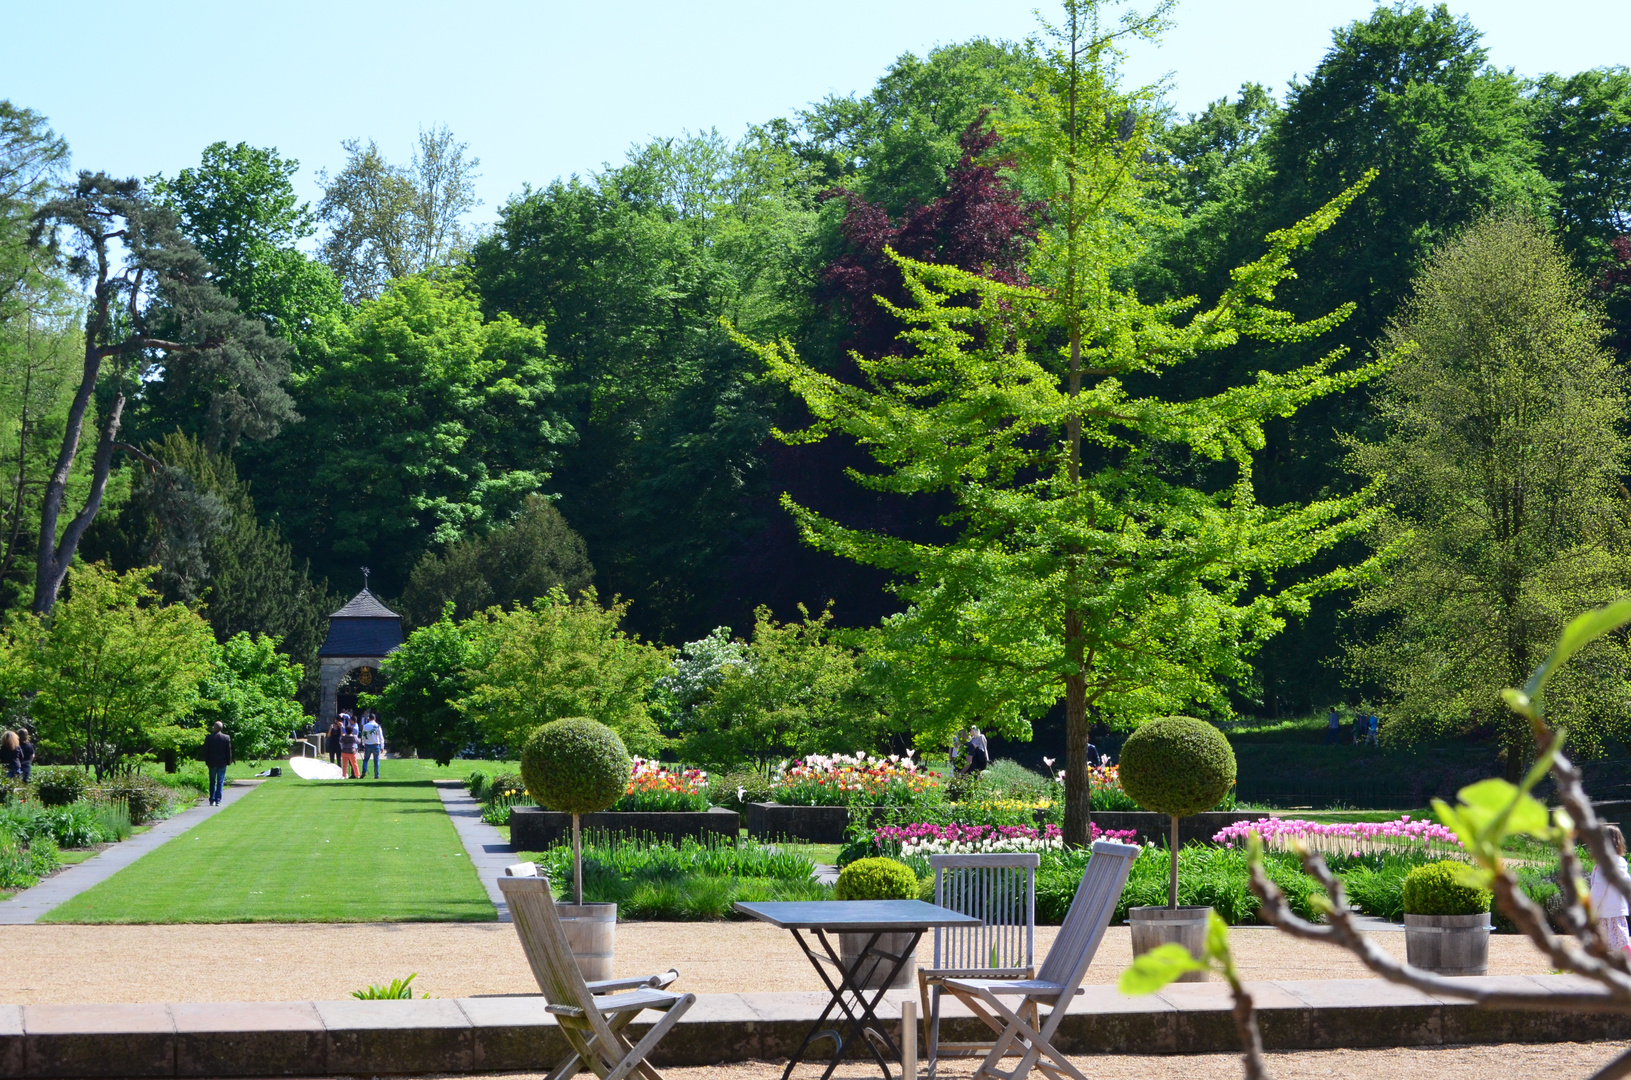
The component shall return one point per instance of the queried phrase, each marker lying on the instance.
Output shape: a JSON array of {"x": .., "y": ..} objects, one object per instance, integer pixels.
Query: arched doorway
[{"x": 363, "y": 679}]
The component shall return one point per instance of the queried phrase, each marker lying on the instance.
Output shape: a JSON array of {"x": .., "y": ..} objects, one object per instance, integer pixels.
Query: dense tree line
[{"x": 265, "y": 396}]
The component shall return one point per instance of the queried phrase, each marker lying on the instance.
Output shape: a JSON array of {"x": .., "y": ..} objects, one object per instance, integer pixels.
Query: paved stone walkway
[
  {"x": 488, "y": 850},
  {"x": 28, "y": 905}
]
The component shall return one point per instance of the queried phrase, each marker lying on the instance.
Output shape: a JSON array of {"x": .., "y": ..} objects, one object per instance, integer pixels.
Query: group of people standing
[
  {"x": 17, "y": 755},
  {"x": 1366, "y": 728},
  {"x": 350, "y": 736}
]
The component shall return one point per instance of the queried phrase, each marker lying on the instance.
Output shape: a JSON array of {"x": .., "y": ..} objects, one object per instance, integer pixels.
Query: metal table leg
[{"x": 855, "y": 1023}]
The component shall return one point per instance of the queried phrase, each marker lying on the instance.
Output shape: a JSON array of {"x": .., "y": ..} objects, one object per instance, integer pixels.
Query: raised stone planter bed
[
  {"x": 1158, "y": 827},
  {"x": 810, "y": 824},
  {"x": 535, "y": 829}
]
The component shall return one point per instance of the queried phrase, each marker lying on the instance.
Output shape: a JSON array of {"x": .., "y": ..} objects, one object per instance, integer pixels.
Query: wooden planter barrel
[
  {"x": 1153, "y": 926},
  {"x": 850, "y": 946},
  {"x": 1448, "y": 944},
  {"x": 591, "y": 931}
]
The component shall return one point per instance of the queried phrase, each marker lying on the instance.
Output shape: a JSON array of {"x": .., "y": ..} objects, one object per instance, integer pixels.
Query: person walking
[
  {"x": 1608, "y": 906},
  {"x": 217, "y": 756},
  {"x": 373, "y": 743},
  {"x": 25, "y": 753},
  {"x": 333, "y": 741},
  {"x": 350, "y": 742},
  {"x": 9, "y": 756},
  {"x": 1333, "y": 728},
  {"x": 1375, "y": 723},
  {"x": 979, "y": 754}
]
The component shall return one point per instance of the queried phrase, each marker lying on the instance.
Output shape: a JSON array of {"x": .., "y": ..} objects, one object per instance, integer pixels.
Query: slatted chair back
[
  {"x": 999, "y": 890},
  {"x": 543, "y": 939},
  {"x": 1090, "y": 912}
]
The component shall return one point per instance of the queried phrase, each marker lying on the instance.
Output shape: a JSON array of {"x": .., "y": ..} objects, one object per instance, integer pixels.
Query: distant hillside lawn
[{"x": 301, "y": 851}]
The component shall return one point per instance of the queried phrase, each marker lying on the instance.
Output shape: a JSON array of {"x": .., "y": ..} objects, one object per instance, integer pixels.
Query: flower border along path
[
  {"x": 31, "y": 904},
  {"x": 302, "y": 851}
]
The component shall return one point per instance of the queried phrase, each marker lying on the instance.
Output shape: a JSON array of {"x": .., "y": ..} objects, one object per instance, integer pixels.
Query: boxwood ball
[
  {"x": 575, "y": 765},
  {"x": 1177, "y": 765}
]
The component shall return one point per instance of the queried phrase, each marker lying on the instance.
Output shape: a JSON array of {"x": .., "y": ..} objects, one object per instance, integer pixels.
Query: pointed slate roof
[
  {"x": 364, "y": 627},
  {"x": 365, "y": 605}
]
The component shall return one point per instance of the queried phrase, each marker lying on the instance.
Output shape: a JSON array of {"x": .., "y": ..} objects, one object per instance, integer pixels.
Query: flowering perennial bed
[
  {"x": 653, "y": 788},
  {"x": 925, "y": 839},
  {"x": 1345, "y": 838},
  {"x": 842, "y": 779}
]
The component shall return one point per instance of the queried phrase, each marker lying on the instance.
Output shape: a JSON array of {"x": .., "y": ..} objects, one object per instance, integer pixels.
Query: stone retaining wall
[
  {"x": 535, "y": 829},
  {"x": 514, "y": 1033}
]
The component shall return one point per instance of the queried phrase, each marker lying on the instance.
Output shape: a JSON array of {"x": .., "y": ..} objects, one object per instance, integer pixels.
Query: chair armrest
[{"x": 655, "y": 982}]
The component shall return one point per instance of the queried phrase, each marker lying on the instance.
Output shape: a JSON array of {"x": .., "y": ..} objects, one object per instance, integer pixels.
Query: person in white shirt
[
  {"x": 1608, "y": 906},
  {"x": 373, "y": 742}
]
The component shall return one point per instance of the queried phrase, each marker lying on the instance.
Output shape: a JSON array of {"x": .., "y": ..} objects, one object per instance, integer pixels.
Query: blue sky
[{"x": 543, "y": 89}]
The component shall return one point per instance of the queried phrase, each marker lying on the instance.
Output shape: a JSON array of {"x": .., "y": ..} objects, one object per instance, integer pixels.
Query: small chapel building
[{"x": 360, "y": 636}]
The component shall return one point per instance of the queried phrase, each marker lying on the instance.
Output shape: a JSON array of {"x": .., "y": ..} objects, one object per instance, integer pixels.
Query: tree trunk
[
  {"x": 577, "y": 862},
  {"x": 1078, "y": 805},
  {"x": 1172, "y": 880}
]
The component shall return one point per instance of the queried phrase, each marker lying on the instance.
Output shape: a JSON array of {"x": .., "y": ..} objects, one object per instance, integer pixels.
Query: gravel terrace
[{"x": 64, "y": 964}]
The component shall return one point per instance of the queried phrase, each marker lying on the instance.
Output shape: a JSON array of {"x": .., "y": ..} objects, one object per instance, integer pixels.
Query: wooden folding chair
[
  {"x": 1000, "y": 890},
  {"x": 592, "y": 1016},
  {"x": 1059, "y": 980}
]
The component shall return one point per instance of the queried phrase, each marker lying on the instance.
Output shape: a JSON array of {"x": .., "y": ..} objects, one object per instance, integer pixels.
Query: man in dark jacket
[{"x": 217, "y": 756}]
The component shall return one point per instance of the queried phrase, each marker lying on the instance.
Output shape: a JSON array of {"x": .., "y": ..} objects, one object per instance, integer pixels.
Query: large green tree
[
  {"x": 1084, "y": 566},
  {"x": 1505, "y": 440},
  {"x": 424, "y": 423}
]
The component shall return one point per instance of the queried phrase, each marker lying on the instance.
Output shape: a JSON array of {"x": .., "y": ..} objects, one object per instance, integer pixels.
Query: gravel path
[
  {"x": 65, "y": 884},
  {"x": 295, "y": 962}
]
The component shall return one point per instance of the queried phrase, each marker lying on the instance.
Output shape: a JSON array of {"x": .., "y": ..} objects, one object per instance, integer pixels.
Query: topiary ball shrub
[
  {"x": 1177, "y": 765},
  {"x": 575, "y": 765},
  {"x": 1436, "y": 889},
  {"x": 59, "y": 785},
  {"x": 876, "y": 879}
]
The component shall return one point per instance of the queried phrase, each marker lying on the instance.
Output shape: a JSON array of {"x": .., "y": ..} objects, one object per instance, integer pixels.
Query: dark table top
[{"x": 847, "y": 915}]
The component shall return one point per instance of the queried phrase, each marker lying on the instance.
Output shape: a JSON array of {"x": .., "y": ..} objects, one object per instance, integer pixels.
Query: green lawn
[
  {"x": 393, "y": 768},
  {"x": 302, "y": 851}
]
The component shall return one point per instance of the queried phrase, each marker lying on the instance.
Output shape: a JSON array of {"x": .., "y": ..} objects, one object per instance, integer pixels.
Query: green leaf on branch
[
  {"x": 1160, "y": 966},
  {"x": 1576, "y": 636}
]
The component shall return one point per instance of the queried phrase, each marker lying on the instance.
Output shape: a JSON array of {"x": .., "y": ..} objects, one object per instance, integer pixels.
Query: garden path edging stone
[
  {"x": 27, "y": 906},
  {"x": 488, "y": 851},
  {"x": 513, "y": 1032}
]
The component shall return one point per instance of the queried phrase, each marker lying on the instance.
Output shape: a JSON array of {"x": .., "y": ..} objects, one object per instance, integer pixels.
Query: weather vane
[{"x": 365, "y": 573}]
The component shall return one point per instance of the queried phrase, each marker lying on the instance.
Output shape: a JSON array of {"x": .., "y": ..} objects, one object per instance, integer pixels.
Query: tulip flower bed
[
  {"x": 1346, "y": 838},
  {"x": 924, "y": 839},
  {"x": 655, "y": 789},
  {"x": 852, "y": 780}
]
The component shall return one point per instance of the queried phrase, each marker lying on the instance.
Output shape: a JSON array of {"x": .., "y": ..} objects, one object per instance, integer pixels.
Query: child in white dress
[{"x": 1608, "y": 907}]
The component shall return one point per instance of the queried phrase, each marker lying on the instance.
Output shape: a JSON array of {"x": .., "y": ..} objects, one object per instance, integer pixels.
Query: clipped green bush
[
  {"x": 1436, "y": 889},
  {"x": 59, "y": 785},
  {"x": 734, "y": 790},
  {"x": 1177, "y": 765},
  {"x": 575, "y": 765},
  {"x": 504, "y": 785},
  {"x": 876, "y": 879},
  {"x": 474, "y": 783}
]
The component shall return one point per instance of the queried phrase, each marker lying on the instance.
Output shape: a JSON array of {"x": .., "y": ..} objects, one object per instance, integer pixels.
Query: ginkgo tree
[{"x": 1104, "y": 544}]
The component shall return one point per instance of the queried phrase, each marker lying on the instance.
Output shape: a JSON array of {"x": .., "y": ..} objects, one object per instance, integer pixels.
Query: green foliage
[
  {"x": 251, "y": 690},
  {"x": 1440, "y": 889},
  {"x": 23, "y": 866},
  {"x": 561, "y": 657},
  {"x": 1507, "y": 390},
  {"x": 72, "y": 825},
  {"x": 59, "y": 785},
  {"x": 876, "y": 879},
  {"x": 1177, "y": 765},
  {"x": 1080, "y": 568},
  {"x": 424, "y": 681},
  {"x": 516, "y": 563},
  {"x": 688, "y": 881},
  {"x": 424, "y": 423},
  {"x": 575, "y": 765},
  {"x": 143, "y": 797},
  {"x": 793, "y": 691},
  {"x": 114, "y": 671},
  {"x": 395, "y": 990},
  {"x": 735, "y": 789}
]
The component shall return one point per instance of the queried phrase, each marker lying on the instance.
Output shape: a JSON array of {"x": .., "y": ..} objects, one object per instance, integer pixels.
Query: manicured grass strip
[
  {"x": 393, "y": 768},
  {"x": 301, "y": 851}
]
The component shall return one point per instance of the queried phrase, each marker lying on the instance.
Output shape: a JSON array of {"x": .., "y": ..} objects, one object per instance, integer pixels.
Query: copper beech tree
[{"x": 152, "y": 311}]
